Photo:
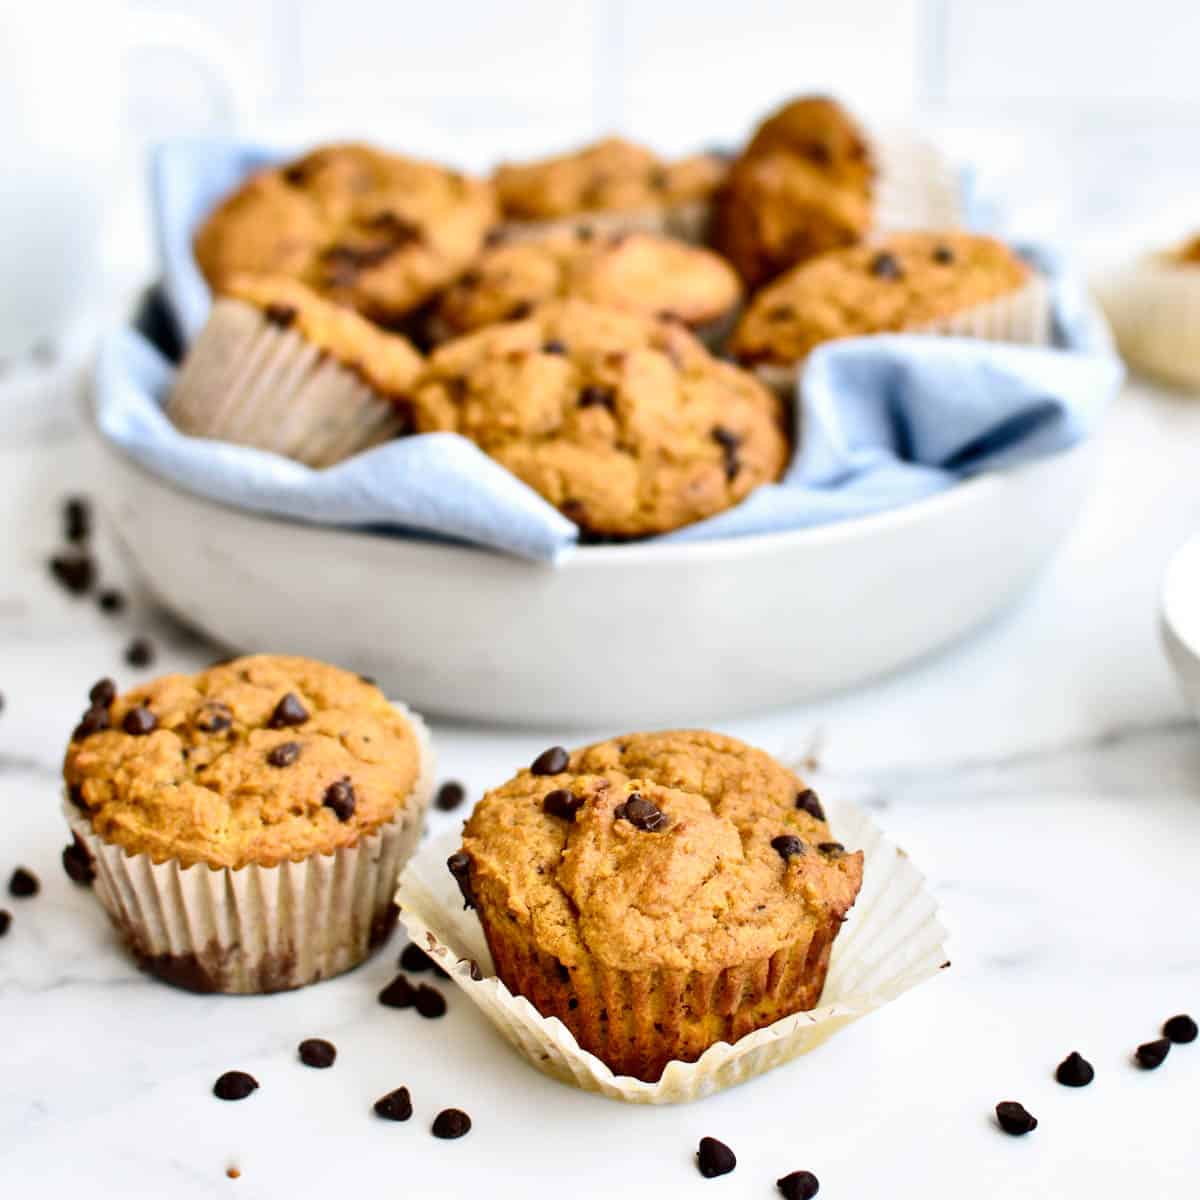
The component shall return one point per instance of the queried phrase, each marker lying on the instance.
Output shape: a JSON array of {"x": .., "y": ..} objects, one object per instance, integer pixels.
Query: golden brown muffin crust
[
  {"x": 820, "y": 130},
  {"x": 1189, "y": 252},
  {"x": 227, "y": 777}
]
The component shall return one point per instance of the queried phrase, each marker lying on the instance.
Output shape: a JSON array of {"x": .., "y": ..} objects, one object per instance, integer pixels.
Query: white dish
[
  {"x": 1180, "y": 617},
  {"x": 618, "y": 636}
]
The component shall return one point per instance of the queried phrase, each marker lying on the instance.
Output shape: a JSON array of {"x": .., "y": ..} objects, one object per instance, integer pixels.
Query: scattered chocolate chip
[
  {"x": 584, "y": 233},
  {"x": 5, "y": 921},
  {"x": 886, "y": 266},
  {"x": 550, "y": 762},
  {"x": 24, "y": 883},
  {"x": 1075, "y": 1071},
  {"x": 788, "y": 846},
  {"x": 429, "y": 1002},
  {"x": 1013, "y": 1118},
  {"x": 140, "y": 652},
  {"x": 395, "y": 1106},
  {"x": 280, "y": 314},
  {"x": 729, "y": 443},
  {"x": 414, "y": 959},
  {"x": 781, "y": 312},
  {"x": 77, "y": 519},
  {"x": 317, "y": 1052},
  {"x": 519, "y": 311},
  {"x": 833, "y": 849},
  {"x": 75, "y": 572},
  {"x": 214, "y": 717},
  {"x": 1151, "y": 1055},
  {"x": 398, "y": 994},
  {"x": 369, "y": 680},
  {"x": 77, "y": 862},
  {"x": 658, "y": 179},
  {"x": 451, "y": 1123},
  {"x": 103, "y": 693},
  {"x": 594, "y": 396},
  {"x": 139, "y": 721},
  {"x": 495, "y": 237},
  {"x": 943, "y": 254},
  {"x": 808, "y": 802},
  {"x": 450, "y": 795},
  {"x": 234, "y": 1085},
  {"x": 284, "y": 754},
  {"x": 714, "y": 1158},
  {"x": 641, "y": 813},
  {"x": 1180, "y": 1029},
  {"x": 94, "y": 720},
  {"x": 289, "y": 711},
  {"x": 339, "y": 796},
  {"x": 75, "y": 795},
  {"x": 111, "y": 601},
  {"x": 343, "y": 263},
  {"x": 402, "y": 231},
  {"x": 554, "y": 346},
  {"x": 459, "y": 865},
  {"x": 561, "y": 803},
  {"x": 799, "y": 1185}
]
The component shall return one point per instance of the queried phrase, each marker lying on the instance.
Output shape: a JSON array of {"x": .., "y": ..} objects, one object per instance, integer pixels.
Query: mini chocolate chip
[
  {"x": 401, "y": 230},
  {"x": 886, "y": 266},
  {"x": 584, "y": 233},
  {"x": 77, "y": 519},
  {"x": 799, "y": 1185},
  {"x": 77, "y": 862},
  {"x": 1180, "y": 1029},
  {"x": 140, "y": 652},
  {"x": 450, "y": 795},
  {"x": 111, "y": 601},
  {"x": 289, "y": 711},
  {"x": 594, "y": 396},
  {"x": 1075, "y": 1071},
  {"x": 451, "y": 1123},
  {"x": 429, "y": 1002},
  {"x": 369, "y": 680},
  {"x": 395, "y": 1106},
  {"x": 103, "y": 693},
  {"x": 943, "y": 254},
  {"x": 519, "y": 311},
  {"x": 1013, "y": 1118},
  {"x": 714, "y": 1158},
  {"x": 95, "y": 720},
  {"x": 550, "y": 762},
  {"x": 414, "y": 959},
  {"x": 24, "y": 883},
  {"x": 459, "y": 865},
  {"x": 398, "y": 994},
  {"x": 75, "y": 572},
  {"x": 658, "y": 178},
  {"x": 641, "y": 813},
  {"x": 280, "y": 314},
  {"x": 339, "y": 796},
  {"x": 561, "y": 803},
  {"x": 1151, "y": 1055},
  {"x": 788, "y": 846},
  {"x": 729, "y": 443},
  {"x": 781, "y": 312},
  {"x": 284, "y": 754},
  {"x": 234, "y": 1085},
  {"x": 317, "y": 1052},
  {"x": 833, "y": 849},
  {"x": 75, "y": 795},
  {"x": 139, "y": 721},
  {"x": 5, "y": 921},
  {"x": 214, "y": 717},
  {"x": 808, "y": 802},
  {"x": 554, "y": 346}
]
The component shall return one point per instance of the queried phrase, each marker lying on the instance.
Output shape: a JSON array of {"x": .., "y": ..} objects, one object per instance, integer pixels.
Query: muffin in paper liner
[
  {"x": 256, "y": 929},
  {"x": 891, "y": 941}
]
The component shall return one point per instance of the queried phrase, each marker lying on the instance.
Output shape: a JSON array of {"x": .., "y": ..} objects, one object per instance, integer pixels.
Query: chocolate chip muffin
[
  {"x": 624, "y": 423},
  {"x": 658, "y": 893},
  {"x": 373, "y": 231},
  {"x": 640, "y": 272},
  {"x": 247, "y": 823},
  {"x": 281, "y": 369}
]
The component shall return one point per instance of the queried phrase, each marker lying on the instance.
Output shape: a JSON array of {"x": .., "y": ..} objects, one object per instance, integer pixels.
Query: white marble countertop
[{"x": 1044, "y": 774}]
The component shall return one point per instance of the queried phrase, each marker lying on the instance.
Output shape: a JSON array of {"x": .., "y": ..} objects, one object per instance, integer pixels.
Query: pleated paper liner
[
  {"x": 891, "y": 941},
  {"x": 258, "y": 929},
  {"x": 249, "y": 381}
]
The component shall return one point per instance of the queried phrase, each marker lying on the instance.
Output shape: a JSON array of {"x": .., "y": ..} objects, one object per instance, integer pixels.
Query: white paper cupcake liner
[
  {"x": 250, "y": 381},
  {"x": 258, "y": 929},
  {"x": 891, "y": 941},
  {"x": 917, "y": 186}
]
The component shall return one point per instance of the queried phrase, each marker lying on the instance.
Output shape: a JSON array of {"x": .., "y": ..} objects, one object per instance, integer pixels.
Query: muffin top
[
  {"x": 625, "y": 423},
  {"x": 373, "y": 231},
  {"x": 685, "y": 850},
  {"x": 1189, "y": 252},
  {"x": 903, "y": 281},
  {"x": 641, "y": 272},
  {"x": 385, "y": 361},
  {"x": 258, "y": 760},
  {"x": 609, "y": 175}
]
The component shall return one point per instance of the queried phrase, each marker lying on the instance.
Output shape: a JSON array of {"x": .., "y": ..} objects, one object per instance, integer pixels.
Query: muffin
[
  {"x": 641, "y": 272},
  {"x": 624, "y": 423},
  {"x": 820, "y": 130},
  {"x": 610, "y": 185},
  {"x": 657, "y": 893},
  {"x": 373, "y": 231},
  {"x": 279, "y": 368},
  {"x": 246, "y": 825}
]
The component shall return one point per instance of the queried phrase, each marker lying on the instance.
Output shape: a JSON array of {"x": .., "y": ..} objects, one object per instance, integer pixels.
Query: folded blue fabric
[{"x": 887, "y": 420}]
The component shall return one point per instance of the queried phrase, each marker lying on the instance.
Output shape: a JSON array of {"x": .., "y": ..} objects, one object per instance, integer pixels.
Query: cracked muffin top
[
  {"x": 258, "y": 760},
  {"x": 624, "y": 423},
  {"x": 373, "y": 231},
  {"x": 687, "y": 850}
]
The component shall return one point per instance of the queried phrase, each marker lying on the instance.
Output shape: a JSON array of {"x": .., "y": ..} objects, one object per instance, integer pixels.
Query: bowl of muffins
[{"x": 602, "y": 346}]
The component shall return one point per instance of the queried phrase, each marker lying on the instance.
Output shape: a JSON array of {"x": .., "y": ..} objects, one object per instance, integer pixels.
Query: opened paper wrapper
[{"x": 891, "y": 941}]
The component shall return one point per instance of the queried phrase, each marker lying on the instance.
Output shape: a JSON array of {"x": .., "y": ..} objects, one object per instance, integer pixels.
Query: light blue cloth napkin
[{"x": 887, "y": 420}]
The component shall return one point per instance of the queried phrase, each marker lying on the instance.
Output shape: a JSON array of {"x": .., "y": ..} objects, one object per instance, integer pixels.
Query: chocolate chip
[
  {"x": 1013, "y": 1118},
  {"x": 554, "y": 346},
  {"x": 234, "y": 1085},
  {"x": 658, "y": 179},
  {"x": 140, "y": 652},
  {"x": 401, "y": 231},
  {"x": 77, "y": 519},
  {"x": 214, "y": 717},
  {"x": 343, "y": 263},
  {"x": 103, "y": 693},
  {"x": 833, "y": 849},
  {"x": 75, "y": 572},
  {"x": 289, "y": 711},
  {"x": 450, "y": 795},
  {"x": 594, "y": 396},
  {"x": 886, "y": 266},
  {"x": 519, "y": 311},
  {"x": 339, "y": 796},
  {"x": 781, "y": 312},
  {"x": 1180, "y": 1029},
  {"x": 799, "y": 1185},
  {"x": 414, "y": 959},
  {"x": 5, "y": 921},
  {"x": 451, "y": 1123},
  {"x": 139, "y": 721},
  {"x": 395, "y": 1106},
  {"x": 317, "y": 1052},
  {"x": 561, "y": 803},
  {"x": 584, "y": 233},
  {"x": 284, "y": 754},
  {"x": 641, "y": 813},
  {"x": 1151, "y": 1055},
  {"x": 429, "y": 1002},
  {"x": 818, "y": 153},
  {"x": 24, "y": 883},
  {"x": 398, "y": 994},
  {"x": 808, "y": 802},
  {"x": 729, "y": 443},
  {"x": 77, "y": 862},
  {"x": 1075, "y": 1071},
  {"x": 459, "y": 865},
  {"x": 714, "y": 1158},
  {"x": 95, "y": 720},
  {"x": 280, "y": 314},
  {"x": 943, "y": 254},
  {"x": 788, "y": 846},
  {"x": 111, "y": 601},
  {"x": 550, "y": 762}
]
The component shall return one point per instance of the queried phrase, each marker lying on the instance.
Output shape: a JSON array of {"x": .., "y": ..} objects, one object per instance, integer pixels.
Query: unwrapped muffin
[
  {"x": 658, "y": 893},
  {"x": 247, "y": 824}
]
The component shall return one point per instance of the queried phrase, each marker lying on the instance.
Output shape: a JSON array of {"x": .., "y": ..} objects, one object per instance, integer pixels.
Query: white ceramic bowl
[
  {"x": 619, "y": 636},
  {"x": 1180, "y": 618}
]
